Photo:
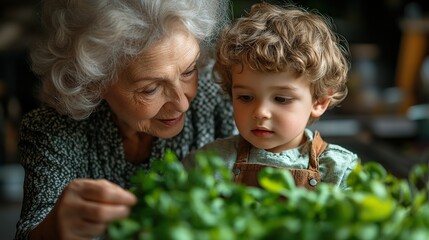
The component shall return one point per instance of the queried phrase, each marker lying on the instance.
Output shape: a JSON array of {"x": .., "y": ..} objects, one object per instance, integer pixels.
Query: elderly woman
[{"x": 119, "y": 86}]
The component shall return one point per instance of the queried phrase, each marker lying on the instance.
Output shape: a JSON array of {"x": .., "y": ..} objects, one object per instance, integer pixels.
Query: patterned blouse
[{"x": 56, "y": 149}]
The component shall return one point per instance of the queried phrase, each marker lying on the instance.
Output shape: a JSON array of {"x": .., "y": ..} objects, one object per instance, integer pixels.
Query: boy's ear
[{"x": 320, "y": 106}]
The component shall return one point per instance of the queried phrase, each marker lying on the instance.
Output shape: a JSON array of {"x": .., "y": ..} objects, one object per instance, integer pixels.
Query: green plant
[{"x": 205, "y": 203}]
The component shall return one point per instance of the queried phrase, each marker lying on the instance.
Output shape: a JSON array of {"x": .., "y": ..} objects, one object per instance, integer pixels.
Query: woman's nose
[{"x": 179, "y": 99}]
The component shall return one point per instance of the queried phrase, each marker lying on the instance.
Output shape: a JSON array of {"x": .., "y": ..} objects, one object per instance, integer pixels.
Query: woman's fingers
[
  {"x": 87, "y": 230},
  {"x": 102, "y": 212},
  {"x": 102, "y": 191},
  {"x": 87, "y": 206}
]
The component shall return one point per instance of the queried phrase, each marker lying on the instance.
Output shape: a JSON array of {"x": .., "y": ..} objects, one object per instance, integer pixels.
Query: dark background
[{"x": 369, "y": 122}]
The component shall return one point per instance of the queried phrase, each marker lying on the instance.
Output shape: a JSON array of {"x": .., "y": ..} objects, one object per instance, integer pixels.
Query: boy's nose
[{"x": 261, "y": 112}]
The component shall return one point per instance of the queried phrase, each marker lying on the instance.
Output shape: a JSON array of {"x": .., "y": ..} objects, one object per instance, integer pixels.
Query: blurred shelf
[{"x": 392, "y": 141}]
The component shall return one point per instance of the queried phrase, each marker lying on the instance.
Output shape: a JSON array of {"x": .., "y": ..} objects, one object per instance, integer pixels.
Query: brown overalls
[{"x": 247, "y": 173}]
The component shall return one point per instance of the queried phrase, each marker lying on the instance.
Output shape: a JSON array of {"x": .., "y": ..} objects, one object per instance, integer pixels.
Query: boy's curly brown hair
[{"x": 274, "y": 39}]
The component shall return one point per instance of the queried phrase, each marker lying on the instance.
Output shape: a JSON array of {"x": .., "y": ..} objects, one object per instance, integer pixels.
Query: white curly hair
[{"x": 88, "y": 42}]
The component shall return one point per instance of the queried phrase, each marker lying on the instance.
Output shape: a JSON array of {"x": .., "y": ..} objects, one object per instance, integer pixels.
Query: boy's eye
[
  {"x": 283, "y": 99},
  {"x": 245, "y": 98}
]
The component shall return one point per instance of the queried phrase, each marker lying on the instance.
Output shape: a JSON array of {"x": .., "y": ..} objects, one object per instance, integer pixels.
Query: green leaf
[
  {"x": 276, "y": 180},
  {"x": 123, "y": 229},
  {"x": 373, "y": 208}
]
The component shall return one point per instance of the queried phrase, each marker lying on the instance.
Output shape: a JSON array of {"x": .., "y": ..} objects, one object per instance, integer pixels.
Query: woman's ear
[{"x": 320, "y": 106}]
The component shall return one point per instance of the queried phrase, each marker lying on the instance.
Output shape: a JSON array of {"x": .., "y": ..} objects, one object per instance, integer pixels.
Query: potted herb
[{"x": 205, "y": 203}]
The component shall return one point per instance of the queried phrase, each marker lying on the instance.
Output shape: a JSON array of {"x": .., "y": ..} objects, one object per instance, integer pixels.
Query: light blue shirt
[{"x": 335, "y": 163}]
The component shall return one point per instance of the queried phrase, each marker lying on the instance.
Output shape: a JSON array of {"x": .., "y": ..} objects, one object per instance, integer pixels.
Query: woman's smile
[{"x": 170, "y": 122}]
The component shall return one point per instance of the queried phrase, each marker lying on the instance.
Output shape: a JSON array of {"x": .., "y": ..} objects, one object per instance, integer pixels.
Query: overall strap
[
  {"x": 317, "y": 147},
  {"x": 243, "y": 150}
]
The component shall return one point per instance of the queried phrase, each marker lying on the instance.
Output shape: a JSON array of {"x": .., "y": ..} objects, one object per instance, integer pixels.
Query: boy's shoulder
[
  {"x": 340, "y": 151},
  {"x": 227, "y": 143},
  {"x": 334, "y": 151},
  {"x": 225, "y": 148}
]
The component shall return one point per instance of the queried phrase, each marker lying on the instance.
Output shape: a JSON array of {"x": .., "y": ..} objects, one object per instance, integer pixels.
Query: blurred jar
[
  {"x": 364, "y": 94},
  {"x": 420, "y": 114},
  {"x": 11, "y": 182}
]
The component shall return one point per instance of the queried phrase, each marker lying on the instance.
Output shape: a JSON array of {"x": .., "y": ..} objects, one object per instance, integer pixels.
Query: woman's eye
[
  {"x": 283, "y": 99},
  {"x": 245, "y": 98},
  {"x": 190, "y": 72},
  {"x": 149, "y": 90}
]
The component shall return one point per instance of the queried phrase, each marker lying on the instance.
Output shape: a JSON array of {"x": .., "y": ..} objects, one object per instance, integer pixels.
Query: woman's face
[{"x": 154, "y": 92}]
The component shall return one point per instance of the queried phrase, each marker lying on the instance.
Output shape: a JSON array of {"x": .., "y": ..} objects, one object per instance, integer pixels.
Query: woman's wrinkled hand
[{"x": 84, "y": 210}]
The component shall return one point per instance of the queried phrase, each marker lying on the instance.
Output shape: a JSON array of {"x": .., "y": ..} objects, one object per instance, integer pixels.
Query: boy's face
[{"x": 271, "y": 110}]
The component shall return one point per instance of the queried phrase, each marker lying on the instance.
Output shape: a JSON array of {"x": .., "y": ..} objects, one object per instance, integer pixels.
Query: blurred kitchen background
[{"x": 385, "y": 117}]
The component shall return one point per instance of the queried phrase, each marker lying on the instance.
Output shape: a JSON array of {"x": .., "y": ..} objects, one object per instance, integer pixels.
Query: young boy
[{"x": 283, "y": 68}]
